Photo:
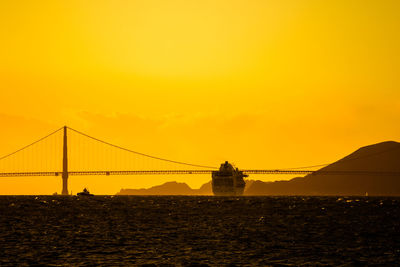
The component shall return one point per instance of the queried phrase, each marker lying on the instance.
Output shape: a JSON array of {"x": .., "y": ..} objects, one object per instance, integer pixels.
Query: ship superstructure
[{"x": 228, "y": 181}]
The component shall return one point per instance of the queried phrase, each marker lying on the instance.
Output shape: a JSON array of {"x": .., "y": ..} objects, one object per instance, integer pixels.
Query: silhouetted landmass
[
  {"x": 169, "y": 188},
  {"x": 173, "y": 188},
  {"x": 381, "y": 157},
  {"x": 205, "y": 189}
]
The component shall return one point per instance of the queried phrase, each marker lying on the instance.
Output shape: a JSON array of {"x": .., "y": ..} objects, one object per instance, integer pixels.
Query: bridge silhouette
[{"x": 46, "y": 157}]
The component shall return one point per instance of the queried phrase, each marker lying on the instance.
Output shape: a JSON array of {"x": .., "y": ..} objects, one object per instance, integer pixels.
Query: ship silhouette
[{"x": 228, "y": 181}]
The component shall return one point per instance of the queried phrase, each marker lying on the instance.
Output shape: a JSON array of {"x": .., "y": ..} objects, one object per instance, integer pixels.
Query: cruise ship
[{"x": 228, "y": 181}]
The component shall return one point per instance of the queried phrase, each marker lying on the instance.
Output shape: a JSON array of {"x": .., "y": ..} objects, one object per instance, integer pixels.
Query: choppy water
[{"x": 178, "y": 230}]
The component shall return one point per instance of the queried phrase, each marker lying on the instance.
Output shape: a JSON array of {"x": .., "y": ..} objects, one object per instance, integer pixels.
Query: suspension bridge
[{"x": 46, "y": 157}]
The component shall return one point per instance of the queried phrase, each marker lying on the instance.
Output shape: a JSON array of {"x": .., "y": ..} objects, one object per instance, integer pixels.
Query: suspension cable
[
  {"x": 141, "y": 154},
  {"x": 345, "y": 160},
  {"x": 37, "y": 141},
  {"x": 179, "y": 162},
  {"x": 306, "y": 167}
]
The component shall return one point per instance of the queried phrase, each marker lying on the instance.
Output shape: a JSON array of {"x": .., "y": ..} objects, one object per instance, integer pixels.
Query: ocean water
[{"x": 199, "y": 231}]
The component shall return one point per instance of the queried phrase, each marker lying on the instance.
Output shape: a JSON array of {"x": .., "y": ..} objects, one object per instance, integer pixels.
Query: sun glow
[{"x": 265, "y": 84}]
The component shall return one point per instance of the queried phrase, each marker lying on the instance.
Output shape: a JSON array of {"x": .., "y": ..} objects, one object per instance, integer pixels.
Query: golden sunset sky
[{"x": 264, "y": 84}]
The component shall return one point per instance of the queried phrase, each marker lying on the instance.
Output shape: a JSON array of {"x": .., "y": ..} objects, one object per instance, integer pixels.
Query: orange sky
[{"x": 265, "y": 84}]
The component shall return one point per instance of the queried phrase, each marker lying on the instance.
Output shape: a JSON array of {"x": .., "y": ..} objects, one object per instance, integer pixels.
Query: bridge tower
[{"x": 65, "y": 164}]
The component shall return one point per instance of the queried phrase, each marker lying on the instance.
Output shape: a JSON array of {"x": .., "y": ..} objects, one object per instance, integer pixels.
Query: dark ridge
[
  {"x": 381, "y": 157},
  {"x": 169, "y": 188}
]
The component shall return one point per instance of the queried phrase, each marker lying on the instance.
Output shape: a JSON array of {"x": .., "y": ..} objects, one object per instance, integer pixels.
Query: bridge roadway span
[{"x": 168, "y": 172}]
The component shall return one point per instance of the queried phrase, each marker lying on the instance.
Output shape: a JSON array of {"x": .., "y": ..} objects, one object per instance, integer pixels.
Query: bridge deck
[{"x": 169, "y": 172}]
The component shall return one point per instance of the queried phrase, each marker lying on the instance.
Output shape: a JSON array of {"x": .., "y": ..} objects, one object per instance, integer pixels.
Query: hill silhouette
[
  {"x": 173, "y": 188},
  {"x": 169, "y": 188},
  {"x": 383, "y": 157}
]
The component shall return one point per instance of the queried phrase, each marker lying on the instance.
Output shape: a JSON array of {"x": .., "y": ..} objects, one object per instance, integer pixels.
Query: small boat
[{"x": 85, "y": 192}]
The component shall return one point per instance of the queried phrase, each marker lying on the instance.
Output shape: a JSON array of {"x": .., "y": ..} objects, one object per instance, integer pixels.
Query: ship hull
[
  {"x": 227, "y": 185},
  {"x": 85, "y": 194},
  {"x": 227, "y": 191},
  {"x": 228, "y": 181}
]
